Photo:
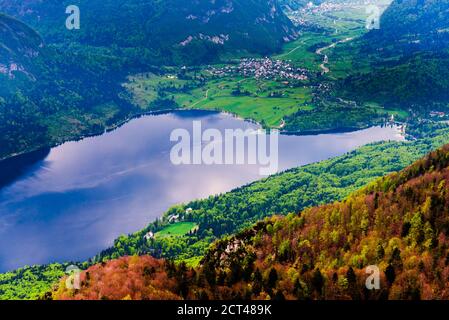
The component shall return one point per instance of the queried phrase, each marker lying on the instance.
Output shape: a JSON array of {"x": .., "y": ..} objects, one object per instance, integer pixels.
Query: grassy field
[
  {"x": 144, "y": 87},
  {"x": 176, "y": 230},
  {"x": 217, "y": 94},
  {"x": 257, "y": 105},
  {"x": 302, "y": 53}
]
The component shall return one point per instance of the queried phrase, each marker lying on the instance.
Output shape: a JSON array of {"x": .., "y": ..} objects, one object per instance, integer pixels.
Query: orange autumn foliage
[{"x": 400, "y": 223}]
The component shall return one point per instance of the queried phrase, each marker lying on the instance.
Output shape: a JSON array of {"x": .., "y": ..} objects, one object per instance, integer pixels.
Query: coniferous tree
[
  {"x": 318, "y": 282},
  {"x": 390, "y": 274}
]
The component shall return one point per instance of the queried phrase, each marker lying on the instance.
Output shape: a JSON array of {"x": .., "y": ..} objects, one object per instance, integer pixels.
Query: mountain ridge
[{"x": 164, "y": 32}]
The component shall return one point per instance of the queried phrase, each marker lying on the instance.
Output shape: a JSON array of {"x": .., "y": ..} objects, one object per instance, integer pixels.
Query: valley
[
  {"x": 357, "y": 110},
  {"x": 75, "y": 88},
  {"x": 310, "y": 97},
  {"x": 310, "y": 102}
]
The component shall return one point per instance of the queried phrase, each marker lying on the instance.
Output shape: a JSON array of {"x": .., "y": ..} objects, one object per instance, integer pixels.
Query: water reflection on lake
[{"x": 82, "y": 195}]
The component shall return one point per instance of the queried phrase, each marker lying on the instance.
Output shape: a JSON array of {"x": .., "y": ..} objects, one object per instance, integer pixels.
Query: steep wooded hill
[{"x": 162, "y": 32}]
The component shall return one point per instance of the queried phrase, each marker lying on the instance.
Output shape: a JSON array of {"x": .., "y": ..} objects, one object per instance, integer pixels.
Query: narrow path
[
  {"x": 199, "y": 101},
  {"x": 207, "y": 95},
  {"x": 290, "y": 52}
]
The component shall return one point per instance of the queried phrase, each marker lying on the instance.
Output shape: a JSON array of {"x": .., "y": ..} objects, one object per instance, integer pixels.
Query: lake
[{"x": 70, "y": 202}]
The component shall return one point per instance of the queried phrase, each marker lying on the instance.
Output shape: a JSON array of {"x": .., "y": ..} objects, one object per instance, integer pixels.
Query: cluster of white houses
[{"x": 266, "y": 68}]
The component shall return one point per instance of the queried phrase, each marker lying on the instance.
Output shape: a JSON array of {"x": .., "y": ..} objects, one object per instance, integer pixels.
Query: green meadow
[
  {"x": 178, "y": 229},
  {"x": 217, "y": 94}
]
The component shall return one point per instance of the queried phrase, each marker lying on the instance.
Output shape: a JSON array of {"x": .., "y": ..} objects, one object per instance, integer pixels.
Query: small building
[{"x": 149, "y": 236}]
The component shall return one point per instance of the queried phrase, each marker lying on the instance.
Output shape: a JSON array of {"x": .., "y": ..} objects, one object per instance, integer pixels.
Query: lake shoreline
[
  {"x": 79, "y": 187},
  {"x": 166, "y": 111}
]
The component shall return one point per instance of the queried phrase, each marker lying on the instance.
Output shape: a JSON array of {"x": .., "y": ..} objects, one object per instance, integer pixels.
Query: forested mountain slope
[
  {"x": 408, "y": 58},
  {"x": 21, "y": 59},
  {"x": 19, "y": 46},
  {"x": 413, "y": 24},
  {"x": 49, "y": 95},
  {"x": 399, "y": 223},
  {"x": 162, "y": 32}
]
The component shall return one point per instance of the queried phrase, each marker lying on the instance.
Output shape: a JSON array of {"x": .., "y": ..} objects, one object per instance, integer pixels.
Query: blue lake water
[{"x": 71, "y": 202}]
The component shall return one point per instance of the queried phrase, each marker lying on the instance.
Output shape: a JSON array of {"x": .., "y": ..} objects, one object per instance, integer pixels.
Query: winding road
[{"x": 325, "y": 56}]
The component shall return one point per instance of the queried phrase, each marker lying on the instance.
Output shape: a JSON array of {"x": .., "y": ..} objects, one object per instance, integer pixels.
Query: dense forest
[
  {"x": 162, "y": 32},
  {"x": 49, "y": 95},
  {"x": 407, "y": 58},
  {"x": 422, "y": 26},
  {"x": 419, "y": 82},
  {"x": 399, "y": 223}
]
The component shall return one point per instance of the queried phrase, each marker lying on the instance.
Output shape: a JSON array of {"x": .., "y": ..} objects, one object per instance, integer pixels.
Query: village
[{"x": 266, "y": 68}]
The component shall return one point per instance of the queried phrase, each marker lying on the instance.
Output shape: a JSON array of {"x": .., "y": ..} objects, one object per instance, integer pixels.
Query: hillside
[
  {"x": 17, "y": 39},
  {"x": 163, "y": 32},
  {"x": 399, "y": 223},
  {"x": 21, "y": 59},
  {"x": 19, "y": 46},
  {"x": 44, "y": 100},
  {"x": 406, "y": 60},
  {"x": 423, "y": 25}
]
